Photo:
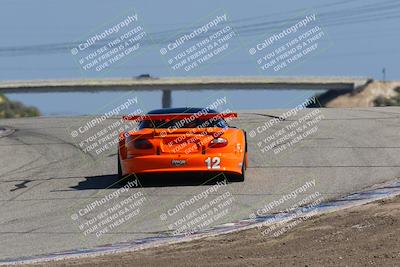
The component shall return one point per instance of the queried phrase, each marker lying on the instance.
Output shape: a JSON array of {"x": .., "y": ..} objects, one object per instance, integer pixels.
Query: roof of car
[{"x": 180, "y": 110}]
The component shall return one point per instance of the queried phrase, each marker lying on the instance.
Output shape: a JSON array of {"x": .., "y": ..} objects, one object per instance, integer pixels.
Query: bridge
[{"x": 167, "y": 85}]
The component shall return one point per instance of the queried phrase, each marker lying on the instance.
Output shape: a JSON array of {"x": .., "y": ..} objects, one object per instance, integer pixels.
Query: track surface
[{"x": 45, "y": 177}]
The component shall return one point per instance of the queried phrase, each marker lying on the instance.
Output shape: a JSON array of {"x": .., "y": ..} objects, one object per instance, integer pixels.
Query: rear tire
[
  {"x": 239, "y": 177},
  {"x": 121, "y": 178}
]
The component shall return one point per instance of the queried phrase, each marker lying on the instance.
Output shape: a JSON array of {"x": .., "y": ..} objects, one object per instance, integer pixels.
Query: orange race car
[{"x": 183, "y": 140}]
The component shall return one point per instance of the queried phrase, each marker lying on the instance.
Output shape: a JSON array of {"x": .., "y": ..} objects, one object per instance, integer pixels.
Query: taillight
[
  {"x": 142, "y": 144},
  {"x": 218, "y": 142}
]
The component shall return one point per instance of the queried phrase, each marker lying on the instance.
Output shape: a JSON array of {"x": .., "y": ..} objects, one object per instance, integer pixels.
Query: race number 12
[{"x": 213, "y": 163}]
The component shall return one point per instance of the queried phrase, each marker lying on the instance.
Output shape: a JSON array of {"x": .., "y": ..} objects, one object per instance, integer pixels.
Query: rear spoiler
[{"x": 150, "y": 117}]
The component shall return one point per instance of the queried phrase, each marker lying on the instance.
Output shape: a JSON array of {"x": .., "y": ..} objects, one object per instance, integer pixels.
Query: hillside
[
  {"x": 375, "y": 93},
  {"x": 14, "y": 109}
]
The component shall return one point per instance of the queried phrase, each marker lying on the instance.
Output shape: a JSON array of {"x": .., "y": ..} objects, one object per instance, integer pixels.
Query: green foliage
[
  {"x": 381, "y": 101},
  {"x": 14, "y": 109}
]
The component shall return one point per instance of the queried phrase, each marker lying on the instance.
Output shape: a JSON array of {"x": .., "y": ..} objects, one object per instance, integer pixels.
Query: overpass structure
[{"x": 167, "y": 85}]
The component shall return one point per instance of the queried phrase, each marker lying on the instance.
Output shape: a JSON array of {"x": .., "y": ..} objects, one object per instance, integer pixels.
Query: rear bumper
[{"x": 229, "y": 162}]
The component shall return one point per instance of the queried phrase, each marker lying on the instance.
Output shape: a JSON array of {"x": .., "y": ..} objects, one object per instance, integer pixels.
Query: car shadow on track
[{"x": 165, "y": 180}]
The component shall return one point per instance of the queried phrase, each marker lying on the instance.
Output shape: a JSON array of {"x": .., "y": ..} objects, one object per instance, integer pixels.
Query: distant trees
[
  {"x": 381, "y": 101},
  {"x": 14, "y": 109}
]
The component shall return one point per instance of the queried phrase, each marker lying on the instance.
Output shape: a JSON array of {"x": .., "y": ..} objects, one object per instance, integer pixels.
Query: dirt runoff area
[
  {"x": 360, "y": 236},
  {"x": 365, "y": 96}
]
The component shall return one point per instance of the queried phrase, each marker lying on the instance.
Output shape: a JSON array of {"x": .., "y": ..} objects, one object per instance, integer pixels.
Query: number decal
[
  {"x": 208, "y": 163},
  {"x": 216, "y": 161},
  {"x": 213, "y": 163}
]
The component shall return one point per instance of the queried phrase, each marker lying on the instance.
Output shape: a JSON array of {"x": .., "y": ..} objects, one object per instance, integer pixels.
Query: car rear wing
[{"x": 179, "y": 116}]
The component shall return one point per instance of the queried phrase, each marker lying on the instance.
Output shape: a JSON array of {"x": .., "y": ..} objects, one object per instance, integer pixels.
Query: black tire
[
  {"x": 119, "y": 167},
  {"x": 239, "y": 177},
  {"x": 121, "y": 178}
]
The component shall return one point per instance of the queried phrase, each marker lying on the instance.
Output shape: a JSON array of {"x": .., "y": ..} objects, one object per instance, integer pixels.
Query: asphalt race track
[{"x": 46, "y": 178}]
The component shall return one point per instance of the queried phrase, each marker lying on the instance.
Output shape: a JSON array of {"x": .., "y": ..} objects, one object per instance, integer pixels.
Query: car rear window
[{"x": 199, "y": 123}]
